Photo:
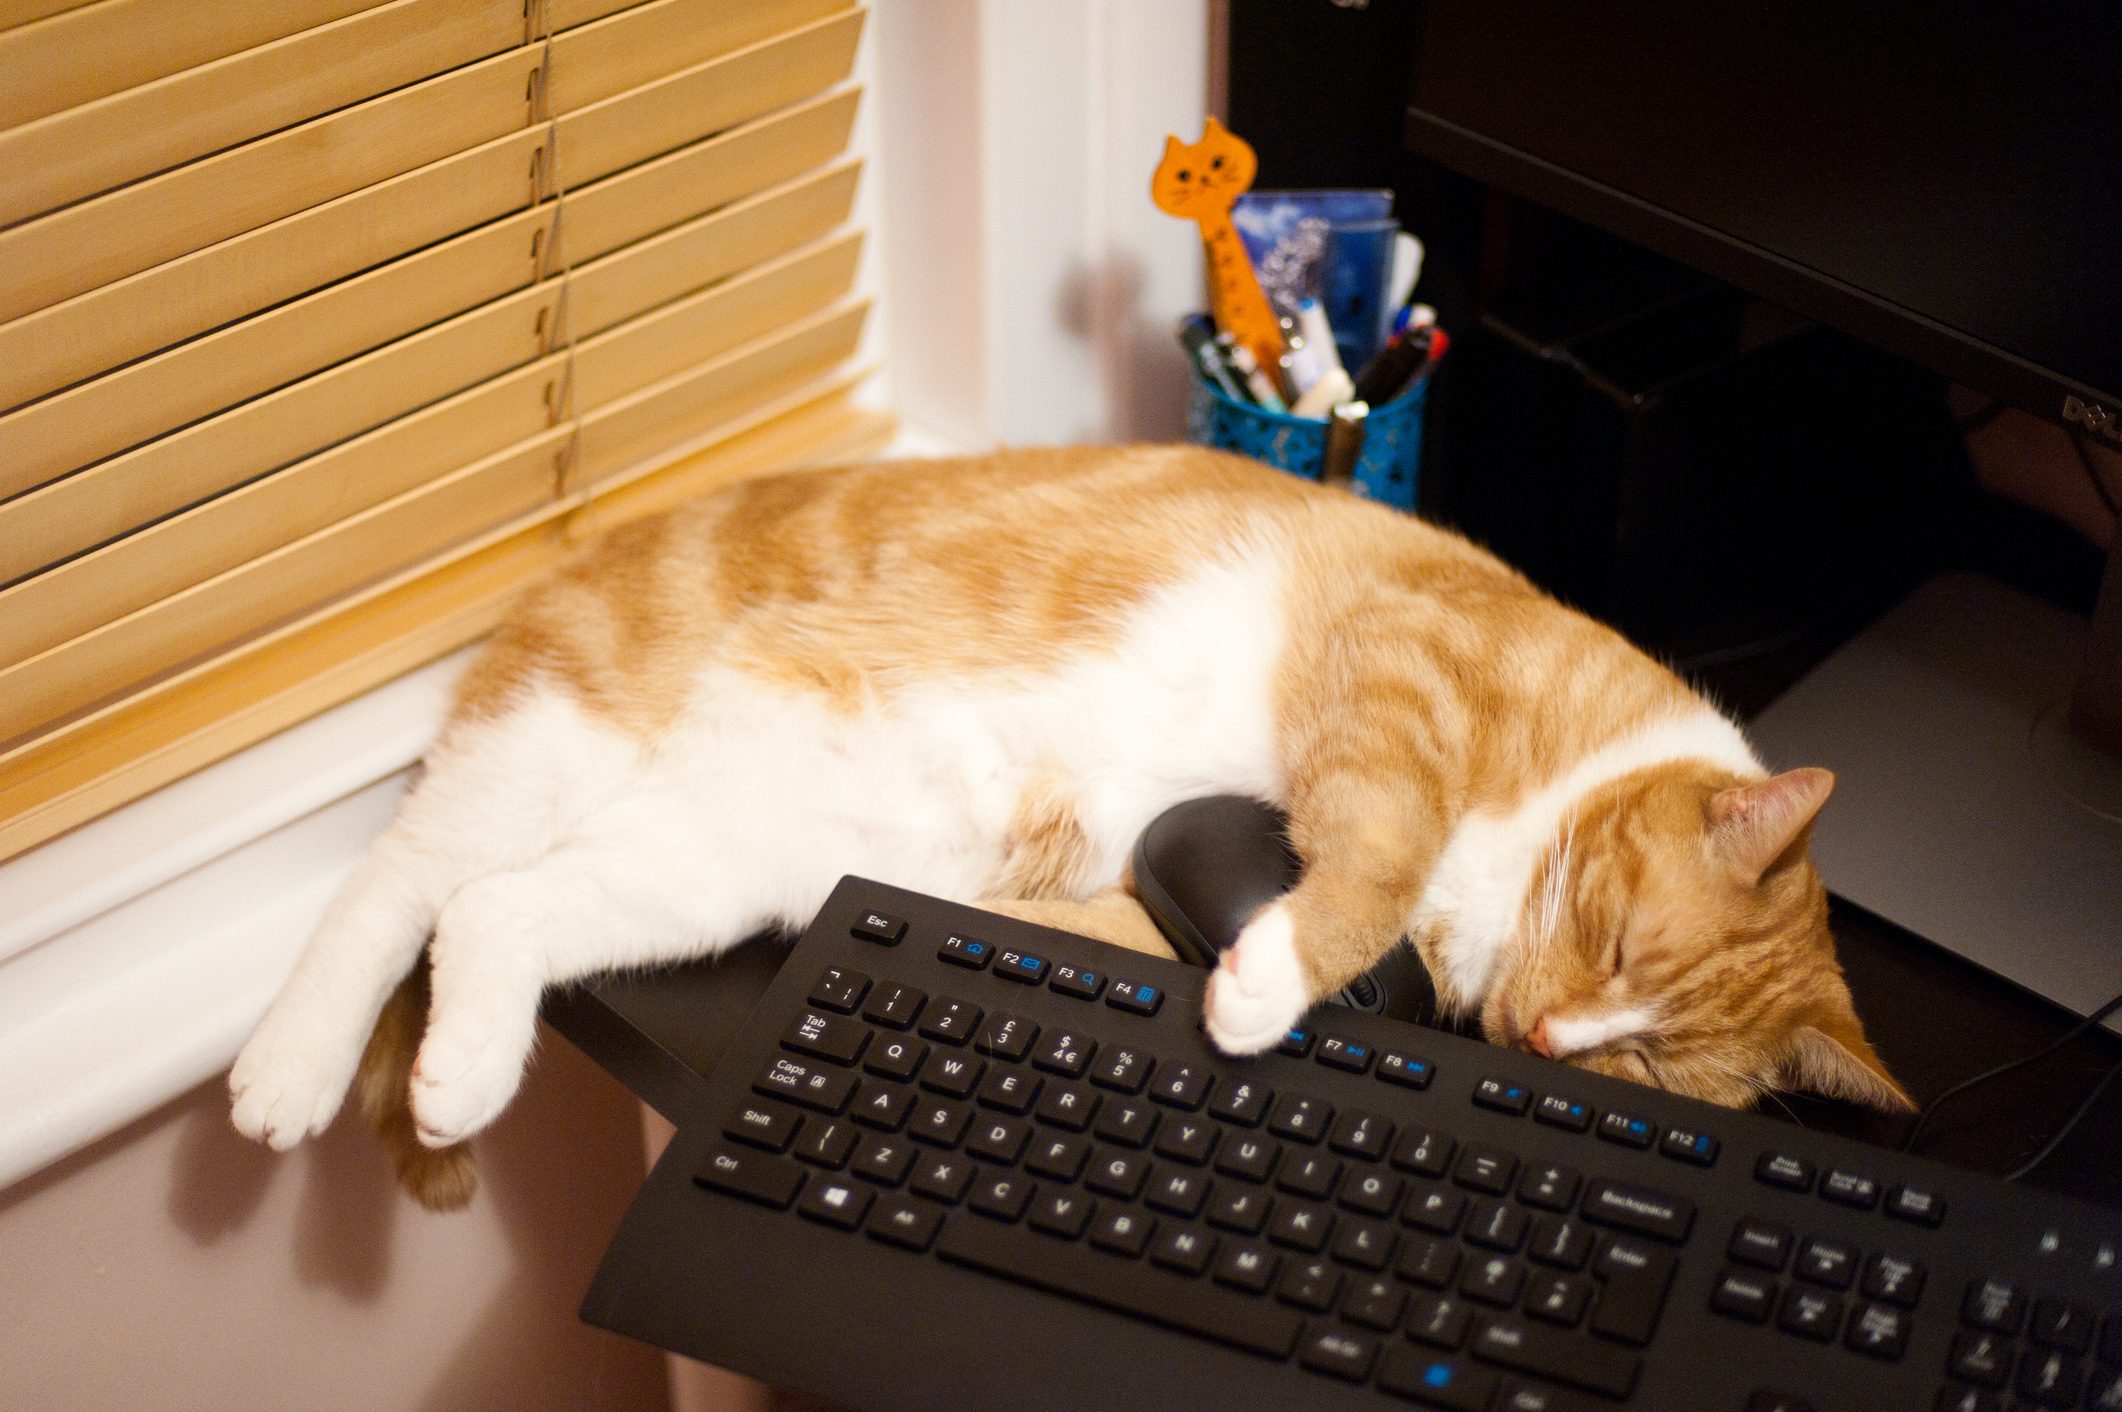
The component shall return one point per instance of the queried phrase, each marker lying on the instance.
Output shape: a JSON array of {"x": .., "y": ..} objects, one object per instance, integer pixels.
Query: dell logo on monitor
[{"x": 2093, "y": 417}]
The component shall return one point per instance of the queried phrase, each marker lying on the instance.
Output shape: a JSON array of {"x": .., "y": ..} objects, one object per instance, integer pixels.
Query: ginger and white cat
[{"x": 981, "y": 679}]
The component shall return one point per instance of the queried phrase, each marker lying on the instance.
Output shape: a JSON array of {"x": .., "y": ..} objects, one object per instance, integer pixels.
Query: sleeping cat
[{"x": 981, "y": 679}]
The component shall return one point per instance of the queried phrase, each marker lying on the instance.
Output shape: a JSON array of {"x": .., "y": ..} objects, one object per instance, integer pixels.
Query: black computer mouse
[{"x": 1205, "y": 867}]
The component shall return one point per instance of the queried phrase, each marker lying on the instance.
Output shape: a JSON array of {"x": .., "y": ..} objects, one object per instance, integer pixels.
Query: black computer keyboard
[{"x": 954, "y": 1161}]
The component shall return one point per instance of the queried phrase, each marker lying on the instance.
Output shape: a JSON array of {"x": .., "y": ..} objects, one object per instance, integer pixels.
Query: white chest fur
[{"x": 1477, "y": 904}]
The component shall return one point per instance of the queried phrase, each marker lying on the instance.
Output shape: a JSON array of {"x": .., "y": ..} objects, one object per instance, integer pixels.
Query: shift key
[{"x": 1554, "y": 1354}]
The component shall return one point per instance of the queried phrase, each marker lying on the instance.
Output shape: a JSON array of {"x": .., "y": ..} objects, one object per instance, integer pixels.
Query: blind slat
[
  {"x": 19, "y": 12},
  {"x": 48, "y": 349},
  {"x": 130, "y": 134},
  {"x": 88, "y": 766},
  {"x": 83, "y": 509},
  {"x": 138, "y": 40},
  {"x": 71, "y": 599}
]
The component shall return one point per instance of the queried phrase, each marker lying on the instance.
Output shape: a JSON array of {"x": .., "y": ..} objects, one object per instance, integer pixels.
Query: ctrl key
[
  {"x": 1450, "y": 1383},
  {"x": 755, "y": 1176}
]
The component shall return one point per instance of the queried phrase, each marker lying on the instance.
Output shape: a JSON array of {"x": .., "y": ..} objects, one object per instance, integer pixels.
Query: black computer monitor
[{"x": 1942, "y": 179}]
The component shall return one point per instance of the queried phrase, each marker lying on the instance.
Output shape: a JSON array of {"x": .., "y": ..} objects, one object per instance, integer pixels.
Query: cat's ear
[
  {"x": 1830, "y": 1056},
  {"x": 1213, "y": 129},
  {"x": 1752, "y": 826}
]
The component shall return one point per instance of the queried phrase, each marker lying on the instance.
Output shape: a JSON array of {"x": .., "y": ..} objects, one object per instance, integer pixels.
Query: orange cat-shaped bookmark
[{"x": 1198, "y": 182}]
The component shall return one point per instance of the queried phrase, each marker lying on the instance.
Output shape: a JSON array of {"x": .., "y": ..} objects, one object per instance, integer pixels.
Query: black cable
[
  {"x": 2077, "y": 1115},
  {"x": 1908, "y": 1144}
]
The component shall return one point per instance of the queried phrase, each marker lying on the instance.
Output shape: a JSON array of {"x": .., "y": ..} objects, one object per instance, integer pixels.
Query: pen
[
  {"x": 1400, "y": 361},
  {"x": 1256, "y": 378},
  {"x": 1344, "y": 443},
  {"x": 1323, "y": 396},
  {"x": 1195, "y": 337}
]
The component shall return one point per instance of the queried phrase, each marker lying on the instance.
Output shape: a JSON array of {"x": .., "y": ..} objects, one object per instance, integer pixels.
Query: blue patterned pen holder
[{"x": 1392, "y": 439}]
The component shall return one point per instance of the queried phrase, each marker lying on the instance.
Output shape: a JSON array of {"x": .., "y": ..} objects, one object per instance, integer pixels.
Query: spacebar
[{"x": 1192, "y": 1306}]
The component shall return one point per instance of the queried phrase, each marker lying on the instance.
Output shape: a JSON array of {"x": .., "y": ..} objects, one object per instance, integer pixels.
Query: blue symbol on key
[
  {"x": 1702, "y": 1143},
  {"x": 1357, "y": 1051},
  {"x": 1295, "y": 1036},
  {"x": 1438, "y": 1375},
  {"x": 1576, "y": 1110},
  {"x": 1637, "y": 1125},
  {"x": 974, "y": 948},
  {"x": 1090, "y": 977},
  {"x": 1513, "y": 1091},
  {"x": 1145, "y": 993}
]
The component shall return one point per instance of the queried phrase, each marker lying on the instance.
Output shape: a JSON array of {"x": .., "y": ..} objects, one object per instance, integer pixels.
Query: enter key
[{"x": 1556, "y": 1355}]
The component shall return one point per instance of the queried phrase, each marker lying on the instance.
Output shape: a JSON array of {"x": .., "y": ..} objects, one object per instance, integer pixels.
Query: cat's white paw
[
  {"x": 468, "y": 1070},
  {"x": 1259, "y": 990},
  {"x": 287, "y": 1085}
]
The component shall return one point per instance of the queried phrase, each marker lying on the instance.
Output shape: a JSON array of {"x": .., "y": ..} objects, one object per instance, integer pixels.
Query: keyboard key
[
  {"x": 1559, "y": 1112},
  {"x": 1184, "y": 1250},
  {"x": 1810, "y": 1314},
  {"x": 1122, "y": 1068},
  {"x": 1560, "y": 1242},
  {"x": 1296, "y": 1044},
  {"x": 1827, "y": 1262},
  {"x": 966, "y": 951},
  {"x": 903, "y": 1222},
  {"x": 763, "y": 1124},
  {"x": 1451, "y": 1384},
  {"x": 755, "y": 1176},
  {"x": 1134, "y": 997},
  {"x": 1373, "y": 1193},
  {"x": 1066, "y": 1106},
  {"x": 824, "y": 1035},
  {"x": 1310, "y": 1174},
  {"x": 1430, "y": 1262},
  {"x": 1002, "y": 1196},
  {"x": 1064, "y": 1213},
  {"x": 1301, "y": 1227},
  {"x": 1076, "y": 982},
  {"x": 953, "y": 1075},
  {"x": 1968, "y": 1399},
  {"x": 1121, "y": 1231},
  {"x": 1060, "y": 1157},
  {"x": 897, "y": 1058},
  {"x": 2068, "y": 1327},
  {"x": 1241, "y": 1101},
  {"x": 1248, "y": 1267},
  {"x": 943, "y": 1178},
  {"x": 1338, "y": 1352},
  {"x": 884, "y": 1159},
  {"x": 1405, "y": 1070},
  {"x": 1243, "y": 1209},
  {"x": 1367, "y": 1245},
  {"x": 825, "y": 1142},
  {"x": 837, "y": 1203},
  {"x": 1440, "y": 1320},
  {"x": 1635, "y": 1278},
  {"x": 894, "y": 1006},
  {"x": 1503, "y": 1096},
  {"x": 840, "y": 989},
  {"x": 1021, "y": 966},
  {"x": 1309, "y": 1284},
  {"x": 808, "y": 1084},
  {"x": 1299, "y": 1117},
  {"x": 1187, "y": 1139},
  {"x": 1486, "y": 1169},
  {"x": 1879, "y": 1331},
  {"x": 1248, "y": 1158},
  {"x": 1893, "y": 1278},
  {"x": 1013, "y": 1253},
  {"x": 2105, "y": 1392},
  {"x": 1549, "y": 1187},
  {"x": 1496, "y": 1225},
  {"x": 1639, "y": 1209},
  {"x": 1558, "y": 1299},
  {"x": 1351, "y": 1056},
  {"x": 2050, "y": 1378},
  {"x": 1426, "y": 1154},
  {"x": 1361, "y": 1135},
  {"x": 1761, "y": 1244},
  {"x": 1629, "y": 1132},
  {"x": 1849, "y": 1189},
  {"x": 1981, "y": 1358},
  {"x": 1907, "y": 1203},
  {"x": 2111, "y": 1340},
  {"x": 1177, "y": 1192},
  {"x": 1375, "y": 1303},
  {"x": 1538, "y": 1397},
  {"x": 1493, "y": 1280},
  {"x": 1011, "y": 1090},
  {"x": 1181, "y": 1085},
  {"x": 1742, "y": 1294},
  {"x": 951, "y": 1021},
  {"x": 1129, "y": 1124},
  {"x": 1006, "y": 1037},
  {"x": 1780, "y": 1169},
  {"x": 1434, "y": 1209},
  {"x": 999, "y": 1139},
  {"x": 939, "y": 1124},
  {"x": 1688, "y": 1145},
  {"x": 882, "y": 1105},
  {"x": 1065, "y": 1052},
  {"x": 1994, "y": 1304},
  {"x": 1552, "y": 1354},
  {"x": 880, "y": 927},
  {"x": 1118, "y": 1174}
]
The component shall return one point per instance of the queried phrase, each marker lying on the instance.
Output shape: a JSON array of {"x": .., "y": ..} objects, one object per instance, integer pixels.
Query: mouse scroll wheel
[{"x": 1362, "y": 993}]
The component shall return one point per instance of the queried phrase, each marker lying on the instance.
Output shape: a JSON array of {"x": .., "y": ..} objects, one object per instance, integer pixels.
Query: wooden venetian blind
[{"x": 325, "y": 324}]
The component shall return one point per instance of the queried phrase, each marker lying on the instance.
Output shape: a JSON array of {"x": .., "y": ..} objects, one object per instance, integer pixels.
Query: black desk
[{"x": 1936, "y": 1018}]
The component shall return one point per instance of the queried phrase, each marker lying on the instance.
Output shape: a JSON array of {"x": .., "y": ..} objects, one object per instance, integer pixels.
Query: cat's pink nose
[{"x": 1536, "y": 1040}]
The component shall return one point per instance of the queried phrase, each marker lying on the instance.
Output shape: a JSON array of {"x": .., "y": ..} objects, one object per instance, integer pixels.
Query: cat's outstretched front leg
[{"x": 1114, "y": 915}]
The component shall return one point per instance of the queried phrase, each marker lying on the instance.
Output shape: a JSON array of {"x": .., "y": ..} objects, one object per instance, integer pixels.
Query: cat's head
[
  {"x": 1196, "y": 179},
  {"x": 1676, "y": 934}
]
